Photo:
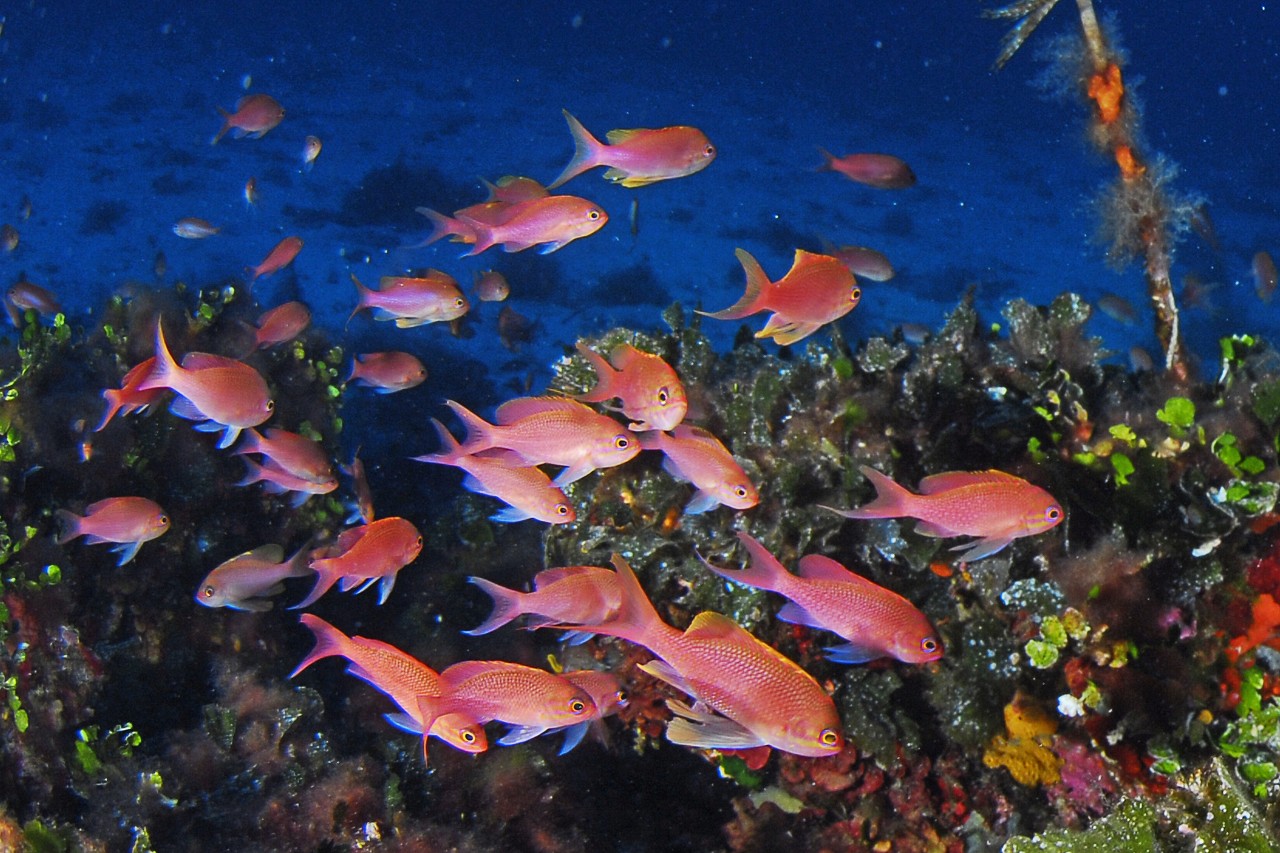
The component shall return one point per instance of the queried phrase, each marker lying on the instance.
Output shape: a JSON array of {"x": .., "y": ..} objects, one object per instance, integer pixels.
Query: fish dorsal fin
[
  {"x": 816, "y": 567},
  {"x": 935, "y": 483},
  {"x": 709, "y": 625},
  {"x": 617, "y": 137},
  {"x": 550, "y": 576},
  {"x": 624, "y": 354},
  {"x": 263, "y": 553},
  {"x": 689, "y": 432},
  {"x": 523, "y": 407},
  {"x": 206, "y": 360},
  {"x": 464, "y": 670}
]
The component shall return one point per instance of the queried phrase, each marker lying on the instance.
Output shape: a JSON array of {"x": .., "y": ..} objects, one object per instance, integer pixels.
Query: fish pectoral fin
[
  {"x": 573, "y": 736},
  {"x": 704, "y": 730},
  {"x": 702, "y": 501},
  {"x": 126, "y": 551},
  {"x": 573, "y": 474},
  {"x": 663, "y": 671},
  {"x": 983, "y": 548},
  {"x": 852, "y": 653},
  {"x": 510, "y": 514},
  {"x": 548, "y": 248},
  {"x": 784, "y": 332},
  {"x": 936, "y": 530},
  {"x": 797, "y": 615},
  {"x": 404, "y": 723},
  {"x": 520, "y": 734}
]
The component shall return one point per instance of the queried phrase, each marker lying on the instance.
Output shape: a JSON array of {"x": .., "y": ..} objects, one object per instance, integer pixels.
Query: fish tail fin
[
  {"x": 226, "y": 125},
  {"x": 506, "y": 606},
  {"x": 362, "y": 298},
  {"x": 253, "y": 473},
  {"x": 480, "y": 234},
  {"x": 115, "y": 399},
  {"x": 325, "y": 578},
  {"x": 479, "y": 431},
  {"x": 827, "y": 159},
  {"x": 68, "y": 526},
  {"x": 166, "y": 367},
  {"x": 636, "y": 620},
  {"x": 441, "y": 226},
  {"x": 891, "y": 501},
  {"x": 450, "y": 449},
  {"x": 753, "y": 297},
  {"x": 586, "y": 151},
  {"x": 763, "y": 571},
  {"x": 252, "y": 442},
  {"x": 603, "y": 389},
  {"x": 330, "y": 642}
]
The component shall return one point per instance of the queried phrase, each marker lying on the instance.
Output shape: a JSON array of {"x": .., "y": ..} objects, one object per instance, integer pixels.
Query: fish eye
[
  {"x": 577, "y": 706},
  {"x": 663, "y": 396},
  {"x": 855, "y": 294},
  {"x": 468, "y": 736},
  {"x": 459, "y": 302},
  {"x": 829, "y": 737},
  {"x": 710, "y": 151},
  {"x": 621, "y": 696},
  {"x": 593, "y": 214},
  {"x": 164, "y": 519},
  {"x": 621, "y": 442},
  {"x": 562, "y": 509},
  {"x": 740, "y": 491},
  {"x": 928, "y": 645},
  {"x": 271, "y": 405},
  {"x": 208, "y": 592},
  {"x": 419, "y": 541},
  {"x": 1053, "y": 514}
]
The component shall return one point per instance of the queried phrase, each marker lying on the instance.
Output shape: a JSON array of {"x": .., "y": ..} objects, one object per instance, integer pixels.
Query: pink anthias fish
[
  {"x": 278, "y": 481},
  {"x": 510, "y": 189},
  {"x": 127, "y": 399},
  {"x": 605, "y": 692},
  {"x": 360, "y": 486},
  {"x": 220, "y": 393},
  {"x": 247, "y": 580},
  {"x": 747, "y": 693},
  {"x": 277, "y": 259},
  {"x": 994, "y": 506},
  {"x": 409, "y": 301},
  {"x": 527, "y": 491},
  {"x": 883, "y": 171},
  {"x": 569, "y": 595},
  {"x": 281, "y": 324},
  {"x": 698, "y": 457},
  {"x": 649, "y": 390},
  {"x": 875, "y": 621},
  {"x": 25, "y": 296},
  {"x": 254, "y": 116},
  {"x": 367, "y": 554},
  {"x": 818, "y": 289},
  {"x": 126, "y": 521},
  {"x": 533, "y": 700},
  {"x": 551, "y": 431},
  {"x": 640, "y": 156},
  {"x": 401, "y": 677},
  {"x": 289, "y": 452},
  {"x": 387, "y": 372},
  {"x": 551, "y": 222}
]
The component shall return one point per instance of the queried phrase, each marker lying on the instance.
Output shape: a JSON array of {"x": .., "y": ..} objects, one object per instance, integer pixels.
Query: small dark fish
[
  {"x": 635, "y": 217},
  {"x": 1264, "y": 276},
  {"x": 514, "y": 329},
  {"x": 162, "y": 265},
  {"x": 1118, "y": 308},
  {"x": 9, "y": 237}
]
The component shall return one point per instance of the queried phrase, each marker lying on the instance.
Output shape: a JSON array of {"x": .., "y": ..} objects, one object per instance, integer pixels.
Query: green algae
[{"x": 1130, "y": 828}]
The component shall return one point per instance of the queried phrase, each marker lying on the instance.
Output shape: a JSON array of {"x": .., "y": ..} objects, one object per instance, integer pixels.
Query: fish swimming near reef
[
  {"x": 25, "y": 296},
  {"x": 875, "y": 621},
  {"x": 818, "y": 289},
  {"x": 281, "y": 324},
  {"x": 399, "y": 676},
  {"x": 551, "y": 223},
  {"x": 127, "y": 399},
  {"x": 248, "y": 580},
  {"x": 367, "y": 554},
  {"x": 125, "y": 521},
  {"x": 650, "y": 392},
  {"x": 883, "y": 171},
  {"x": 277, "y": 259},
  {"x": 412, "y": 301},
  {"x": 565, "y": 595},
  {"x": 605, "y": 692},
  {"x": 694, "y": 455},
  {"x": 290, "y": 452},
  {"x": 387, "y": 372},
  {"x": 254, "y": 116},
  {"x": 994, "y": 506},
  {"x": 638, "y": 157},
  {"x": 194, "y": 228}
]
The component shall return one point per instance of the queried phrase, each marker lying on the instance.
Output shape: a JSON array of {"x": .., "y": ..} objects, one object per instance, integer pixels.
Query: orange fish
[
  {"x": 551, "y": 431},
  {"x": 491, "y": 286},
  {"x": 994, "y": 506},
  {"x": 126, "y": 521},
  {"x": 128, "y": 399},
  {"x": 651, "y": 393},
  {"x": 278, "y": 258},
  {"x": 550, "y": 222},
  {"x": 24, "y": 296},
  {"x": 254, "y": 116},
  {"x": 748, "y": 693},
  {"x": 279, "y": 481},
  {"x": 410, "y": 301},
  {"x": 246, "y": 581},
  {"x": 281, "y": 324},
  {"x": 363, "y": 494},
  {"x": 193, "y": 228},
  {"x": 638, "y": 157},
  {"x": 877, "y": 622},
  {"x": 512, "y": 188},
  {"x": 402, "y": 678},
  {"x": 605, "y": 692},
  {"x": 221, "y": 393},
  {"x": 287, "y": 451},
  {"x": 573, "y": 595},
  {"x": 698, "y": 457},
  {"x": 817, "y": 290},
  {"x": 366, "y": 555},
  {"x": 387, "y": 372},
  {"x": 310, "y": 151},
  {"x": 883, "y": 171},
  {"x": 527, "y": 491}
]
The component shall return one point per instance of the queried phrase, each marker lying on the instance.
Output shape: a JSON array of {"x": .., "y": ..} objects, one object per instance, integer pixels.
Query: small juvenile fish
[
  {"x": 401, "y": 677},
  {"x": 514, "y": 329},
  {"x": 254, "y": 116},
  {"x": 512, "y": 188},
  {"x": 698, "y": 457},
  {"x": 571, "y": 595},
  {"x": 1264, "y": 276},
  {"x": 193, "y": 228},
  {"x": 360, "y": 485},
  {"x": 491, "y": 286},
  {"x": 25, "y": 296},
  {"x": 994, "y": 506},
  {"x": 387, "y": 372},
  {"x": 287, "y": 451},
  {"x": 127, "y": 399},
  {"x": 251, "y": 193},
  {"x": 527, "y": 491},
  {"x": 411, "y": 301},
  {"x": 863, "y": 262},
  {"x": 883, "y": 171},
  {"x": 310, "y": 151},
  {"x": 651, "y": 393},
  {"x": 373, "y": 552},
  {"x": 246, "y": 581},
  {"x": 277, "y": 259},
  {"x": 818, "y": 289},
  {"x": 875, "y": 621},
  {"x": 221, "y": 393},
  {"x": 9, "y": 237},
  {"x": 638, "y": 157},
  {"x": 1118, "y": 308},
  {"x": 281, "y": 324},
  {"x": 128, "y": 522},
  {"x": 551, "y": 431}
]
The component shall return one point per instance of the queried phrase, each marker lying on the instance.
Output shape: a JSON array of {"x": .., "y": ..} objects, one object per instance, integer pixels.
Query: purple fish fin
[
  {"x": 547, "y": 248},
  {"x": 228, "y": 437},
  {"x": 185, "y": 409},
  {"x": 668, "y": 464},
  {"x": 506, "y": 606},
  {"x": 329, "y": 641},
  {"x": 587, "y": 151},
  {"x": 852, "y": 653},
  {"x": 384, "y": 590},
  {"x": 797, "y": 615},
  {"x": 983, "y": 548},
  {"x": 359, "y": 584},
  {"x": 573, "y": 736},
  {"x": 520, "y": 734},
  {"x": 663, "y": 671},
  {"x": 577, "y": 638},
  {"x": 701, "y": 502},
  {"x": 255, "y": 605},
  {"x": 573, "y": 473},
  {"x": 936, "y": 529},
  {"x": 819, "y": 568},
  {"x": 404, "y": 723},
  {"x": 299, "y": 498},
  {"x": 510, "y": 514},
  {"x": 703, "y": 730},
  {"x": 126, "y": 550}
]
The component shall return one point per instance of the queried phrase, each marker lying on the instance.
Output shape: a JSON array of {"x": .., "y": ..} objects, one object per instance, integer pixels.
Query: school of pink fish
[{"x": 741, "y": 692}]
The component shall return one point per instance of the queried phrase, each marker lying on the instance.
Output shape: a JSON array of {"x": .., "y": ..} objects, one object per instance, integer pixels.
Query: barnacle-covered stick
[{"x": 1140, "y": 217}]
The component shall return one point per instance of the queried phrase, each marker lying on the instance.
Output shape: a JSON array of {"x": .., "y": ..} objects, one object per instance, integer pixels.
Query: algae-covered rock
[{"x": 1128, "y": 829}]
